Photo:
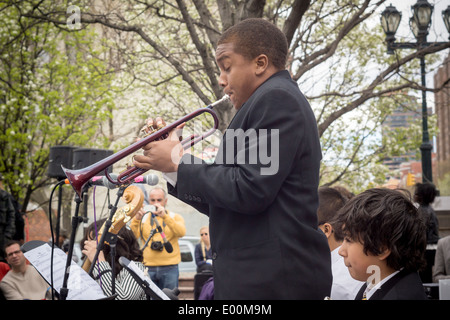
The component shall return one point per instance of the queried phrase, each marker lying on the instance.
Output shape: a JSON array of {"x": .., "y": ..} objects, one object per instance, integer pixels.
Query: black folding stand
[
  {"x": 76, "y": 220},
  {"x": 112, "y": 240}
]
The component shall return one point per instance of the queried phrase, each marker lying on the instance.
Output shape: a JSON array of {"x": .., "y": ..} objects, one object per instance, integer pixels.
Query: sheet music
[
  {"x": 80, "y": 285},
  {"x": 133, "y": 267}
]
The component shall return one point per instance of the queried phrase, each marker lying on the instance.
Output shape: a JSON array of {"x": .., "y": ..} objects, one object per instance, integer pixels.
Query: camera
[{"x": 157, "y": 245}]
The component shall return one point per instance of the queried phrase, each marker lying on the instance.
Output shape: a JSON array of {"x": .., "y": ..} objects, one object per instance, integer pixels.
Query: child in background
[
  {"x": 344, "y": 287},
  {"x": 384, "y": 245}
]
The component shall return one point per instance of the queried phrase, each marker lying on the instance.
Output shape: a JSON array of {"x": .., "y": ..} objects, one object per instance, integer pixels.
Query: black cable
[
  {"x": 152, "y": 232},
  {"x": 53, "y": 237},
  {"x": 157, "y": 229}
]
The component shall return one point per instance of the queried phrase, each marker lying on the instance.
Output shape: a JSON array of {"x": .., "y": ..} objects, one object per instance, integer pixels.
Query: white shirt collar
[{"x": 371, "y": 290}]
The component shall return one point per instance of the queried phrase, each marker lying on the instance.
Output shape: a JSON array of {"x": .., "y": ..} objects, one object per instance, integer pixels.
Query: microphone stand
[
  {"x": 112, "y": 241},
  {"x": 166, "y": 243},
  {"x": 76, "y": 220},
  {"x": 58, "y": 217},
  {"x": 109, "y": 237},
  {"x": 152, "y": 232}
]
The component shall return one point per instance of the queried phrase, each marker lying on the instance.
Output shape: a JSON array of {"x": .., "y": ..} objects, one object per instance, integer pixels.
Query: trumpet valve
[{"x": 148, "y": 130}]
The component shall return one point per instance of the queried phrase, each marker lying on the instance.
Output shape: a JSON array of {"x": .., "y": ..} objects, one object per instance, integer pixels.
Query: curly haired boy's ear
[{"x": 385, "y": 254}]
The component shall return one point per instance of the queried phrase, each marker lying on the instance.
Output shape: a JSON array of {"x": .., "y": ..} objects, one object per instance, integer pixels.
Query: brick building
[{"x": 442, "y": 109}]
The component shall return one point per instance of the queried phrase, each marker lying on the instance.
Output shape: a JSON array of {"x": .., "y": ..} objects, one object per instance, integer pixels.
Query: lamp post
[{"x": 419, "y": 23}]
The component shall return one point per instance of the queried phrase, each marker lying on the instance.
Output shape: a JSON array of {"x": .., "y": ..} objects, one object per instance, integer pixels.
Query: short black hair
[
  {"x": 330, "y": 202},
  {"x": 347, "y": 194},
  {"x": 254, "y": 36},
  {"x": 10, "y": 242},
  {"x": 386, "y": 219},
  {"x": 425, "y": 193}
]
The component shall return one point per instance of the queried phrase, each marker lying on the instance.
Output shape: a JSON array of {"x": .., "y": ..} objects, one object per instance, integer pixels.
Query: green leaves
[{"x": 54, "y": 91}]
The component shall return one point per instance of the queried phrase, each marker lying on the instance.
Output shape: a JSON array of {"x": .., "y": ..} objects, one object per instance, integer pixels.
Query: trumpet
[{"x": 79, "y": 178}]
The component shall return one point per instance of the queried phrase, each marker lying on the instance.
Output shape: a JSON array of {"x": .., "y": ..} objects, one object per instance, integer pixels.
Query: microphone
[
  {"x": 166, "y": 243},
  {"x": 103, "y": 181},
  {"x": 150, "y": 179}
]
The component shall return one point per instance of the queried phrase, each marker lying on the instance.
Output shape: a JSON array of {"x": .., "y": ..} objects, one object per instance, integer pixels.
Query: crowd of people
[
  {"x": 378, "y": 239},
  {"x": 273, "y": 232}
]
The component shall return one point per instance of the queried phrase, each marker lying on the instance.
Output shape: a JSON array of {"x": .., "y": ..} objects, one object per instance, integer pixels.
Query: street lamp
[
  {"x": 390, "y": 20},
  {"x": 419, "y": 23},
  {"x": 422, "y": 11}
]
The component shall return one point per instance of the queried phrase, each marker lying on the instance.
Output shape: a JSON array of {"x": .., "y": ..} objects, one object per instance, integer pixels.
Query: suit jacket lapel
[
  {"x": 383, "y": 290},
  {"x": 386, "y": 287}
]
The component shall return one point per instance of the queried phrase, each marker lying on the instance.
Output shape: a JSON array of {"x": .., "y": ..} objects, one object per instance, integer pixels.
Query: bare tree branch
[
  {"x": 205, "y": 53},
  {"x": 369, "y": 92},
  {"x": 101, "y": 19},
  {"x": 319, "y": 56},
  {"x": 292, "y": 22}
]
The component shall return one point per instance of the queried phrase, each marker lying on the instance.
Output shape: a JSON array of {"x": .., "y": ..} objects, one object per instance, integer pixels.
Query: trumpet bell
[{"x": 78, "y": 178}]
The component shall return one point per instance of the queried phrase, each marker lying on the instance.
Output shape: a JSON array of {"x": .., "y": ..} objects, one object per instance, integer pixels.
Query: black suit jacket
[
  {"x": 263, "y": 224},
  {"x": 404, "y": 285}
]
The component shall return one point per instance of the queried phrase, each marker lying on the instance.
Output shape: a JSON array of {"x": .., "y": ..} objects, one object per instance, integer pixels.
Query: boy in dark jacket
[{"x": 384, "y": 245}]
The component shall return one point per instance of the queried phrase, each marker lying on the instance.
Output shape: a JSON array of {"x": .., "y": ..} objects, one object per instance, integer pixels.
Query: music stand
[{"x": 37, "y": 252}]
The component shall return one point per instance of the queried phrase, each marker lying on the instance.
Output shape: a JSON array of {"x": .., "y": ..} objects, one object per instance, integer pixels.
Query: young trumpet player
[{"x": 261, "y": 192}]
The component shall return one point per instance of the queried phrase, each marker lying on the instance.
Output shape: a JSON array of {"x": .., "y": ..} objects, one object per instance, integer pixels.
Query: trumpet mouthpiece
[{"x": 224, "y": 98}]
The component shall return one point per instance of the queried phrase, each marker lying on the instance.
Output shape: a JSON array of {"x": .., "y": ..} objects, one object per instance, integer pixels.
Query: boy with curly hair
[{"x": 384, "y": 245}]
